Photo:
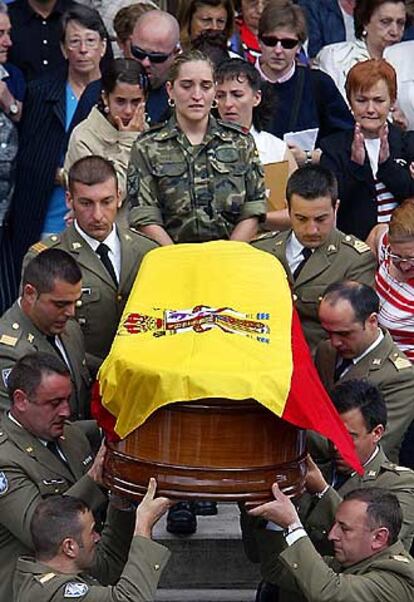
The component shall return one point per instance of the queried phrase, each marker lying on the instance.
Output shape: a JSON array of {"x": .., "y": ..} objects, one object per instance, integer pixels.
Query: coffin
[{"x": 211, "y": 449}]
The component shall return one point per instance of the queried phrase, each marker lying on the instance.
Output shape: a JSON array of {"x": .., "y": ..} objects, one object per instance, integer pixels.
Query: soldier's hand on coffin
[
  {"x": 150, "y": 510},
  {"x": 281, "y": 511},
  {"x": 96, "y": 470},
  {"x": 314, "y": 481}
]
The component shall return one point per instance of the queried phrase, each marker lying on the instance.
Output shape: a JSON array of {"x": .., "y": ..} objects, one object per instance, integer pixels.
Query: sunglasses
[
  {"x": 286, "y": 43},
  {"x": 153, "y": 57}
]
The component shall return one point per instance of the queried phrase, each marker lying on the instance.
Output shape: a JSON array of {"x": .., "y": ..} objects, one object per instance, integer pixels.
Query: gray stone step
[
  {"x": 203, "y": 595},
  {"x": 213, "y": 558}
]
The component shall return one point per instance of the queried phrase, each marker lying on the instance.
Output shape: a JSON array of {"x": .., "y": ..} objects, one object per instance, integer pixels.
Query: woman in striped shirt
[{"x": 395, "y": 276}]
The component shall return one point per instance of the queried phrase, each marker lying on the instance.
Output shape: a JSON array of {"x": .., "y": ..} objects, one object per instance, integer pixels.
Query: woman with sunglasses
[
  {"x": 112, "y": 126},
  {"x": 394, "y": 247},
  {"x": 304, "y": 99},
  {"x": 194, "y": 178}
]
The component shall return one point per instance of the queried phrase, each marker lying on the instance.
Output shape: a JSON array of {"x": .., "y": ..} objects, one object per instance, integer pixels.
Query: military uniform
[
  {"x": 303, "y": 574},
  {"x": 379, "y": 472},
  {"x": 100, "y": 307},
  {"x": 19, "y": 336},
  {"x": 36, "y": 582},
  {"x": 392, "y": 372},
  {"x": 341, "y": 257},
  {"x": 196, "y": 193},
  {"x": 29, "y": 471}
]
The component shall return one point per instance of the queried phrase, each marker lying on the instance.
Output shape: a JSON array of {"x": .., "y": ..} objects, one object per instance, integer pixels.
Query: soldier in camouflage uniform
[{"x": 194, "y": 178}]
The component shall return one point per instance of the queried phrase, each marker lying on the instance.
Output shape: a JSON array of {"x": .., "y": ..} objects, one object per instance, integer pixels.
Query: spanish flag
[{"x": 215, "y": 320}]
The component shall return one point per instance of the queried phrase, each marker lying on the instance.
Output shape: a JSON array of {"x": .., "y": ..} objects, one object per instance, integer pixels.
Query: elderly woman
[
  {"x": 195, "y": 179},
  {"x": 197, "y": 16},
  {"x": 370, "y": 162},
  {"x": 51, "y": 110},
  {"x": 378, "y": 24},
  {"x": 245, "y": 41},
  {"x": 303, "y": 99}
]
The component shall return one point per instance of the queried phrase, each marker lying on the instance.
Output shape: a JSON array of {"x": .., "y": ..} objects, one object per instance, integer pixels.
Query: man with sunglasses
[{"x": 154, "y": 43}]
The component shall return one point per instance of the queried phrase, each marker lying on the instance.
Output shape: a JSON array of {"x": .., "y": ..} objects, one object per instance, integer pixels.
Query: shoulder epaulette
[
  {"x": 399, "y": 361},
  {"x": 265, "y": 236},
  {"x": 3, "y": 435},
  {"x": 46, "y": 243},
  {"x": 359, "y": 245},
  {"x": 45, "y": 578},
  {"x": 131, "y": 233},
  {"x": 229, "y": 125}
]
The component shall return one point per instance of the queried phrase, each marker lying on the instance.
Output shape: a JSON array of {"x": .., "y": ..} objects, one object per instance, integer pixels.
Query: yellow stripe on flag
[{"x": 210, "y": 320}]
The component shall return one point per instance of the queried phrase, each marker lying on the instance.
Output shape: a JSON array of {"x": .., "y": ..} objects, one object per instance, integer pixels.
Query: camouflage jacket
[{"x": 197, "y": 193}]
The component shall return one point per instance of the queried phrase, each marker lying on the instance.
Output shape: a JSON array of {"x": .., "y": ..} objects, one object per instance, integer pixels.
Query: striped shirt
[
  {"x": 385, "y": 199},
  {"x": 396, "y": 303}
]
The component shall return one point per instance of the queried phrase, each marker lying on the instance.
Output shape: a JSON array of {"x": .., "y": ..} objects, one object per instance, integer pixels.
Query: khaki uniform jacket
[
  {"x": 29, "y": 471},
  {"x": 101, "y": 305},
  {"x": 379, "y": 472},
  {"x": 19, "y": 336},
  {"x": 387, "y": 576},
  {"x": 392, "y": 372},
  {"x": 196, "y": 193},
  {"x": 340, "y": 257},
  {"x": 36, "y": 582}
]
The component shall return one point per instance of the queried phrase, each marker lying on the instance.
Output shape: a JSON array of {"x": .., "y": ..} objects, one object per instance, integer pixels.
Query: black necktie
[
  {"x": 306, "y": 253},
  {"x": 52, "y": 340},
  {"x": 103, "y": 252},
  {"x": 341, "y": 367},
  {"x": 53, "y": 447}
]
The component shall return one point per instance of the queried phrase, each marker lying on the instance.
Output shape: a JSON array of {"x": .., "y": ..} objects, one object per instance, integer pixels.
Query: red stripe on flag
[{"x": 308, "y": 405}]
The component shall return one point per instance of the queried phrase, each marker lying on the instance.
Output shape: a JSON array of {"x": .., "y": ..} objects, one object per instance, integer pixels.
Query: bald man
[{"x": 154, "y": 43}]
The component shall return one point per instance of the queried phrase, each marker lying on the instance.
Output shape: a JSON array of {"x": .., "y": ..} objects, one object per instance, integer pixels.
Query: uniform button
[
  {"x": 119, "y": 297},
  {"x": 44, "y": 22},
  {"x": 348, "y": 238},
  {"x": 15, "y": 326},
  {"x": 79, "y": 303},
  {"x": 320, "y": 298},
  {"x": 295, "y": 297},
  {"x": 45, "y": 42},
  {"x": 3, "y": 145},
  {"x": 295, "y": 565},
  {"x": 156, "y": 567},
  {"x": 45, "y": 62}
]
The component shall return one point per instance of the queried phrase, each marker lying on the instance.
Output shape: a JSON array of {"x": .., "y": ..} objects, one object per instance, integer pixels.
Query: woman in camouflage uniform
[{"x": 195, "y": 178}]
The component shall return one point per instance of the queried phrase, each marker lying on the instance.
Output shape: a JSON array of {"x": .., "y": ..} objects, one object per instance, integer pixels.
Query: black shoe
[
  {"x": 203, "y": 508},
  {"x": 181, "y": 519}
]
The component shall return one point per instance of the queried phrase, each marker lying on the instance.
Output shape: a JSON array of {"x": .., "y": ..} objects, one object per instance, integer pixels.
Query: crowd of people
[{"x": 125, "y": 126}]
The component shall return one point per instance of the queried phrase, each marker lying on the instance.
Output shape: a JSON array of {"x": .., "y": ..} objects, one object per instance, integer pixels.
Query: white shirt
[
  {"x": 271, "y": 149},
  {"x": 111, "y": 241},
  {"x": 294, "y": 254},
  {"x": 279, "y": 80}
]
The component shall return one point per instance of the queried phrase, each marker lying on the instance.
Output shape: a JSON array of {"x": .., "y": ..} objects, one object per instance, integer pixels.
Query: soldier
[
  {"x": 314, "y": 253},
  {"x": 195, "y": 179},
  {"x": 358, "y": 348},
  {"x": 369, "y": 562},
  {"x": 41, "y": 454},
  {"x": 107, "y": 273},
  {"x": 362, "y": 409},
  {"x": 41, "y": 321},
  {"x": 65, "y": 542}
]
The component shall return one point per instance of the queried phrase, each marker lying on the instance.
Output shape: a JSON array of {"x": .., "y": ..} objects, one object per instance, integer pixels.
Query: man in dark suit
[
  {"x": 41, "y": 454},
  {"x": 358, "y": 348},
  {"x": 94, "y": 198},
  {"x": 41, "y": 320}
]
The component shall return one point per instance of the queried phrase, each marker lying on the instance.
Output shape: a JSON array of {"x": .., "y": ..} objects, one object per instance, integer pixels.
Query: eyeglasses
[
  {"x": 90, "y": 43},
  {"x": 153, "y": 57},
  {"x": 286, "y": 43},
  {"x": 398, "y": 259}
]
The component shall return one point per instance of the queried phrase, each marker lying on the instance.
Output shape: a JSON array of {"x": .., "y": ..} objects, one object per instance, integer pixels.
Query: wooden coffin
[{"x": 211, "y": 450}]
